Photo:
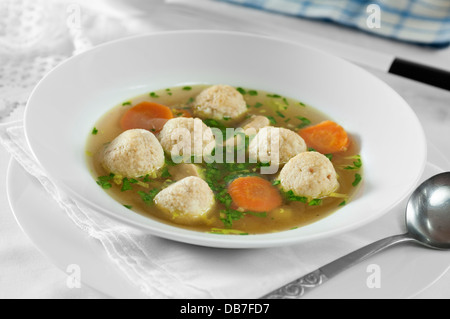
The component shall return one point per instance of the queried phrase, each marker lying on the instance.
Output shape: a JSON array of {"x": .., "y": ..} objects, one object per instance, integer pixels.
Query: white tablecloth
[{"x": 26, "y": 273}]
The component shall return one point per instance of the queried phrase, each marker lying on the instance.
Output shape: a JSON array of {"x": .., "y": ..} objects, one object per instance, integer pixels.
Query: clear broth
[{"x": 282, "y": 111}]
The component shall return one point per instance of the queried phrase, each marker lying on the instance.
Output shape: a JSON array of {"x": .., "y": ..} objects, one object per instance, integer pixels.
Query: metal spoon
[{"x": 428, "y": 224}]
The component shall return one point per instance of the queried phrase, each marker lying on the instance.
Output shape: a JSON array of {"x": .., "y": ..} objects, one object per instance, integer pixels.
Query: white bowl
[{"x": 65, "y": 105}]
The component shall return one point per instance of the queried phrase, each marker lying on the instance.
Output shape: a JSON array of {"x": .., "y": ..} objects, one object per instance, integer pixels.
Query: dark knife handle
[{"x": 422, "y": 73}]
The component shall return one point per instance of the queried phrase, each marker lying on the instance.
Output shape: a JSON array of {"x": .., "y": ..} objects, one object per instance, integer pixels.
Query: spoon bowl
[
  {"x": 427, "y": 222},
  {"x": 428, "y": 212}
]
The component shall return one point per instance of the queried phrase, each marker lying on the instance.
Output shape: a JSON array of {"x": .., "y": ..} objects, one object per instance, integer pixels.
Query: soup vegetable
[{"x": 224, "y": 160}]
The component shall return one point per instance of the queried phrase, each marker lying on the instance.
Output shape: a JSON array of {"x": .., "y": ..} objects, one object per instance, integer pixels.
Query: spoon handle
[{"x": 297, "y": 288}]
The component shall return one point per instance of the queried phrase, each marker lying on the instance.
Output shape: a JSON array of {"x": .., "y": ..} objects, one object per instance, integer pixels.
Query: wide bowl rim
[{"x": 214, "y": 240}]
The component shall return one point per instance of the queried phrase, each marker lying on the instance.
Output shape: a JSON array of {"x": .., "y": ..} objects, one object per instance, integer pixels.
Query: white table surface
[{"x": 26, "y": 273}]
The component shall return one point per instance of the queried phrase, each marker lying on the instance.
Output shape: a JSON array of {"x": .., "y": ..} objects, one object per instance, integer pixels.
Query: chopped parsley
[
  {"x": 215, "y": 124},
  {"x": 315, "y": 202},
  {"x": 228, "y": 216},
  {"x": 272, "y": 120},
  {"x": 241, "y": 90},
  {"x": 357, "y": 164},
  {"x": 104, "y": 181},
  {"x": 280, "y": 114},
  {"x": 153, "y": 94},
  {"x": 212, "y": 123},
  {"x": 165, "y": 172},
  {"x": 94, "y": 131},
  {"x": 303, "y": 122},
  {"x": 187, "y": 88},
  {"x": 126, "y": 184},
  {"x": 290, "y": 196},
  {"x": 357, "y": 180},
  {"x": 148, "y": 197}
]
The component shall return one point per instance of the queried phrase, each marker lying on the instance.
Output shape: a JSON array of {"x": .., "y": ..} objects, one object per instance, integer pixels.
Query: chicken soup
[{"x": 224, "y": 160}]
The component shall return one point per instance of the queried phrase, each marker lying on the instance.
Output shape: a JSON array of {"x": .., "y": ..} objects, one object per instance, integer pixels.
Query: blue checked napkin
[{"x": 425, "y": 22}]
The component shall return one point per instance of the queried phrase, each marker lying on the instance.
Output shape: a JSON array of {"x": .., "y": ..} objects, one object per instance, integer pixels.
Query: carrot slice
[
  {"x": 254, "y": 193},
  {"x": 326, "y": 137},
  {"x": 146, "y": 115}
]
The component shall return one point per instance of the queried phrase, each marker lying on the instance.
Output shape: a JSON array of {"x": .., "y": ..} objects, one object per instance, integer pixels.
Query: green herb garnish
[
  {"x": 357, "y": 180},
  {"x": 126, "y": 184},
  {"x": 214, "y": 123},
  {"x": 148, "y": 197},
  {"x": 272, "y": 120},
  {"x": 104, "y": 181},
  {"x": 280, "y": 114},
  {"x": 290, "y": 196},
  {"x": 228, "y": 216},
  {"x": 304, "y": 122},
  {"x": 357, "y": 164},
  {"x": 165, "y": 172},
  {"x": 241, "y": 90},
  {"x": 315, "y": 202}
]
